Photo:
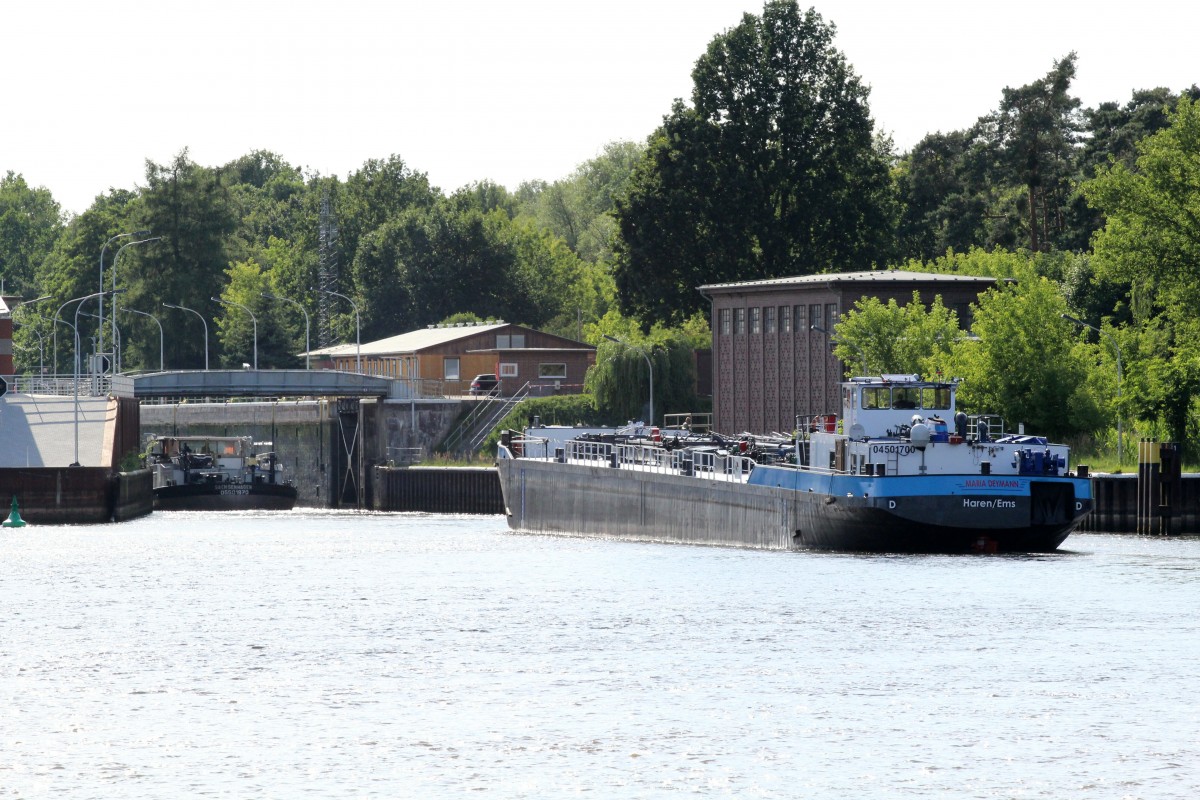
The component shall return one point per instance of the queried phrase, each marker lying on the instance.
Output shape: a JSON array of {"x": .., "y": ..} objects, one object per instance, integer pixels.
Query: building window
[
  {"x": 739, "y": 321},
  {"x": 830, "y": 316},
  {"x": 785, "y": 319},
  {"x": 755, "y": 321},
  {"x": 552, "y": 370},
  {"x": 508, "y": 370},
  {"x": 450, "y": 369},
  {"x": 814, "y": 316},
  {"x": 801, "y": 318},
  {"x": 726, "y": 318},
  {"x": 965, "y": 317},
  {"x": 769, "y": 319},
  {"x": 505, "y": 341}
]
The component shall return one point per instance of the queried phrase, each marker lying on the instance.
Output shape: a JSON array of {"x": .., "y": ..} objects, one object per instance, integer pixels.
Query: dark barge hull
[
  {"x": 545, "y": 497},
  {"x": 225, "y": 497}
]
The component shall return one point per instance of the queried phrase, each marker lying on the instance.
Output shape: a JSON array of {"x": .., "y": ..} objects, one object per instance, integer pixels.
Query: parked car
[{"x": 484, "y": 384}]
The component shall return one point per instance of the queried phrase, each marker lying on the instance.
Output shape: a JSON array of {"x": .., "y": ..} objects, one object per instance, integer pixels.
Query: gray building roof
[{"x": 872, "y": 276}]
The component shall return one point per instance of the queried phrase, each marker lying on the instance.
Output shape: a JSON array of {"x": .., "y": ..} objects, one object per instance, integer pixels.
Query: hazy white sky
[{"x": 507, "y": 90}]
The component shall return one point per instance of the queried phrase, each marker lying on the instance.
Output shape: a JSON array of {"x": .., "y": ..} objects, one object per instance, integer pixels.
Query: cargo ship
[
  {"x": 900, "y": 470},
  {"x": 217, "y": 473}
]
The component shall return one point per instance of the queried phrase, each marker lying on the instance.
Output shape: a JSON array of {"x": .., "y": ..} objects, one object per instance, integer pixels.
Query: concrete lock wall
[{"x": 326, "y": 452}]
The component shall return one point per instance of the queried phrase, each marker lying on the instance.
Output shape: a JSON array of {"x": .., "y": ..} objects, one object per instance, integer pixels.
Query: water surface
[{"x": 330, "y": 655}]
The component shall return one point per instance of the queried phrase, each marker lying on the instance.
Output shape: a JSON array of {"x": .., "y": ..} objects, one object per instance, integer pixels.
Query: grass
[{"x": 448, "y": 460}]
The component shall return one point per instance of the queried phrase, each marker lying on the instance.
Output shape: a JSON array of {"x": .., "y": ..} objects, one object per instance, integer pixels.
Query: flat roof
[{"x": 868, "y": 276}]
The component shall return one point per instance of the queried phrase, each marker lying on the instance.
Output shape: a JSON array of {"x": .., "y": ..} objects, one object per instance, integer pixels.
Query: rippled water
[{"x": 347, "y": 656}]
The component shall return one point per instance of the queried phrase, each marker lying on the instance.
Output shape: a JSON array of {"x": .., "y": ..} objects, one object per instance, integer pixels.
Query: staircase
[{"x": 475, "y": 427}]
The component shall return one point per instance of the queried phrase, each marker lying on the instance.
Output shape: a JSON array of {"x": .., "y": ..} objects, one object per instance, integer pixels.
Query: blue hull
[{"x": 932, "y": 514}]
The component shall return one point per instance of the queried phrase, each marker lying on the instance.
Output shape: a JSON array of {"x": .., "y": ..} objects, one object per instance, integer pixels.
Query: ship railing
[
  {"x": 709, "y": 463},
  {"x": 991, "y": 425},
  {"x": 696, "y": 422},
  {"x": 714, "y": 464},
  {"x": 531, "y": 446}
]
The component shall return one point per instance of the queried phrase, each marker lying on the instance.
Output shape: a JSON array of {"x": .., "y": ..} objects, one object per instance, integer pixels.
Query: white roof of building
[
  {"x": 410, "y": 342},
  {"x": 871, "y": 276}
]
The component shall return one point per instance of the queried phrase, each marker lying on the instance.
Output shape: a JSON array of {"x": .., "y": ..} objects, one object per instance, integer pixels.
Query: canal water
[{"x": 330, "y": 655}]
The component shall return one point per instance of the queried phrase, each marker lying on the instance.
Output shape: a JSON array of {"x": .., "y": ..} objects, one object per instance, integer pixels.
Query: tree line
[{"x": 773, "y": 167}]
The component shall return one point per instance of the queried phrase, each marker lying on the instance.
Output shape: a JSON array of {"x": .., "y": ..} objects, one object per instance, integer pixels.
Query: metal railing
[
  {"x": 59, "y": 385},
  {"x": 710, "y": 464},
  {"x": 477, "y": 424},
  {"x": 696, "y": 422}
]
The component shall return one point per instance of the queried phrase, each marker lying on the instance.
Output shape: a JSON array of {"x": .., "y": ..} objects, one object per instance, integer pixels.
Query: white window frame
[
  {"x": 449, "y": 374},
  {"x": 508, "y": 369},
  {"x": 559, "y": 371}
]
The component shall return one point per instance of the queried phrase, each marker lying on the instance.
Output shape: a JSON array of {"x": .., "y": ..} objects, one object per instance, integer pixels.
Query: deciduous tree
[{"x": 773, "y": 170}]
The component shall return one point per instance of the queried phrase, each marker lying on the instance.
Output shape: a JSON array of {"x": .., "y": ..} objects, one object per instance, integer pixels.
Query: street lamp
[
  {"x": 253, "y": 319},
  {"x": 54, "y": 330},
  {"x": 116, "y": 350},
  {"x": 82, "y": 300},
  {"x": 304, "y": 311},
  {"x": 1117, "y": 347},
  {"x": 357, "y": 329},
  {"x": 648, "y": 364},
  {"x": 202, "y": 320},
  {"x": 100, "y": 345},
  {"x": 160, "y": 332}
]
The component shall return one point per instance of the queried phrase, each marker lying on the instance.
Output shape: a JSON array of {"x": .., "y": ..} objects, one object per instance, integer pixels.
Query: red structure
[{"x": 6, "y": 334}]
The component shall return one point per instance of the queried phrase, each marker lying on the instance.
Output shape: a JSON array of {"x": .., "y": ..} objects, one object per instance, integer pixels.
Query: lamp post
[
  {"x": 100, "y": 345},
  {"x": 357, "y": 329},
  {"x": 74, "y": 331},
  {"x": 160, "y": 332},
  {"x": 253, "y": 319},
  {"x": 31, "y": 302},
  {"x": 649, "y": 365},
  {"x": 116, "y": 259},
  {"x": 304, "y": 311},
  {"x": 203, "y": 321},
  {"x": 1117, "y": 348},
  {"x": 82, "y": 300}
]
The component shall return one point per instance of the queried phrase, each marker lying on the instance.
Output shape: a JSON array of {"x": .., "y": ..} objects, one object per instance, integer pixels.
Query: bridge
[{"x": 272, "y": 383}]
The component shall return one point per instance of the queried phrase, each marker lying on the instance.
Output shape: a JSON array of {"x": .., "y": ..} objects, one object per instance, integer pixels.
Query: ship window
[
  {"x": 769, "y": 319},
  {"x": 726, "y": 321},
  {"x": 906, "y": 397},
  {"x": 936, "y": 398},
  {"x": 877, "y": 398},
  {"x": 785, "y": 319},
  {"x": 754, "y": 320}
]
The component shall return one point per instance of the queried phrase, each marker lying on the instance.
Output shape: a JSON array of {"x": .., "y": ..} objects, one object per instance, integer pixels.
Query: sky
[{"x": 502, "y": 90}]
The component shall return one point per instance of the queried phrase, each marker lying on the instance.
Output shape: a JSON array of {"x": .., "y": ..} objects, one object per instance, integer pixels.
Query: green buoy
[{"x": 14, "y": 519}]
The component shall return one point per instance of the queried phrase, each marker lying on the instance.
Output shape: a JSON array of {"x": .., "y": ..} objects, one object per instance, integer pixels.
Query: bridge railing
[{"x": 60, "y": 385}]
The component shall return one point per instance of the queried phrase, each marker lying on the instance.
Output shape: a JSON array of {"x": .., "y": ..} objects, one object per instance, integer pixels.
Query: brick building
[
  {"x": 769, "y": 366},
  {"x": 450, "y": 356}
]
